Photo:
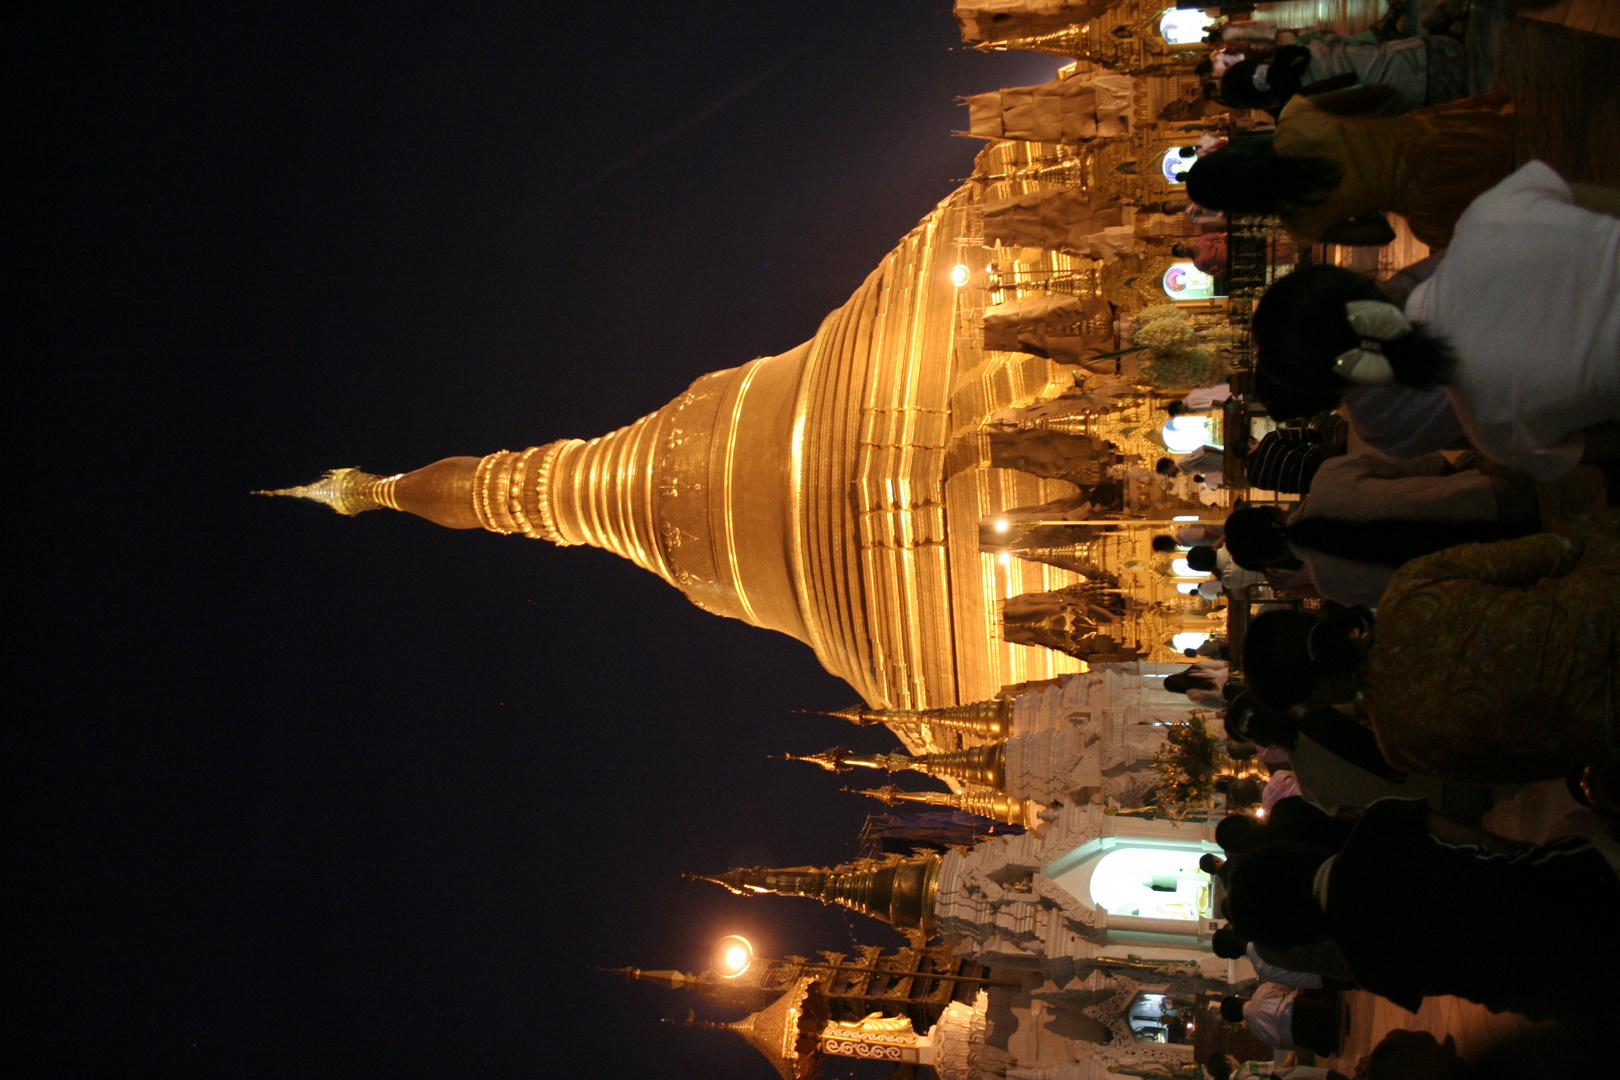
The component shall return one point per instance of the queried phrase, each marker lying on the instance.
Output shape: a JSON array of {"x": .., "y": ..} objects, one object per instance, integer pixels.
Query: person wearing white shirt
[
  {"x": 1520, "y": 325},
  {"x": 1286, "y": 1017}
]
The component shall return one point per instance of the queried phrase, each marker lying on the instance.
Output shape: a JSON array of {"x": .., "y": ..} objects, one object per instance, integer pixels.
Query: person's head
[
  {"x": 1217, "y": 1066},
  {"x": 1210, "y": 863},
  {"x": 1179, "y": 683},
  {"x": 1166, "y": 467},
  {"x": 1178, "y": 408},
  {"x": 1248, "y": 176},
  {"x": 1240, "y": 791},
  {"x": 1247, "y": 85},
  {"x": 1228, "y": 943},
  {"x": 1250, "y": 718},
  {"x": 1266, "y": 82},
  {"x": 1234, "y": 832},
  {"x": 1205, "y": 68},
  {"x": 1165, "y": 544},
  {"x": 1187, "y": 152},
  {"x": 1286, "y": 403},
  {"x": 1232, "y": 1009},
  {"x": 1272, "y": 902},
  {"x": 1191, "y": 654},
  {"x": 1255, "y": 537},
  {"x": 1290, "y": 657},
  {"x": 1202, "y": 559},
  {"x": 1305, "y": 341},
  {"x": 1240, "y": 749}
]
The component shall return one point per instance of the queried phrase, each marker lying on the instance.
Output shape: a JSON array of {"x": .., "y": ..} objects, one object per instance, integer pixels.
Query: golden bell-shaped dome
[{"x": 807, "y": 492}]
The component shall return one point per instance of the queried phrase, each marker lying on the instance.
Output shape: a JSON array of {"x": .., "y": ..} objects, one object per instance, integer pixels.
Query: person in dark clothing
[{"x": 1417, "y": 903}]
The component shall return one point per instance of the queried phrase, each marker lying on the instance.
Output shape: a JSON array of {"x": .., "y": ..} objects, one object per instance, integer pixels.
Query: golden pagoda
[{"x": 806, "y": 492}]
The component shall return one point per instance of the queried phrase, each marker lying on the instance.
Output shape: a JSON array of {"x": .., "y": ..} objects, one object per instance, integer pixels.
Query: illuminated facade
[{"x": 878, "y": 493}]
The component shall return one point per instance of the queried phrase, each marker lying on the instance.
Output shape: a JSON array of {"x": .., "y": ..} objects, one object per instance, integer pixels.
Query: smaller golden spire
[
  {"x": 675, "y": 980},
  {"x": 348, "y": 491},
  {"x": 990, "y": 719},
  {"x": 838, "y": 759},
  {"x": 982, "y": 766},
  {"x": 901, "y": 892},
  {"x": 991, "y": 804}
]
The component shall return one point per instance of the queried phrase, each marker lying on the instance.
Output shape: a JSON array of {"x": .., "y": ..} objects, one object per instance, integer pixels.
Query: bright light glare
[
  {"x": 959, "y": 275},
  {"x": 1184, "y": 434},
  {"x": 1004, "y": 558},
  {"x": 1001, "y": 525},
  {"x": 1188, "y": 640},
  {"x": 732, "y": 956},
  {"x": 1186, "y": 587},
  {"x": 1184, "y": 26},
  {"x": 1181, "y": 568},
  {"x": 1185, "y": 517}
]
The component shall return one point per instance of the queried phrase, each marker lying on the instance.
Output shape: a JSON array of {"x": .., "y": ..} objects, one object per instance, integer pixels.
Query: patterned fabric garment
[
  {"x": 1496, "y": 663},
  {"x": 1426, "y": 166}
]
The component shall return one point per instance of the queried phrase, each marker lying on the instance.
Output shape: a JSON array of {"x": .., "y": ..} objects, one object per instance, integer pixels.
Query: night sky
[{"x": 298, "y": 795}]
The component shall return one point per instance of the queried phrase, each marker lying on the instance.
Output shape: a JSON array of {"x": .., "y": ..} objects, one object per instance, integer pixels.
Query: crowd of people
[{"x": 1446, "y": 626}]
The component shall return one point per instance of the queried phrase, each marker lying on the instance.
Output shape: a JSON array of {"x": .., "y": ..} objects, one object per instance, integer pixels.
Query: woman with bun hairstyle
[
  {"x": 1329, "y": 169},
  {"x": 1520, "y": 327},
  {"x": 1488, "y": 663}
]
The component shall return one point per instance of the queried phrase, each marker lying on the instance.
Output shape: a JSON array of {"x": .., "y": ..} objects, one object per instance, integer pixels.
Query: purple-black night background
[{"x": 297, "y": 795}]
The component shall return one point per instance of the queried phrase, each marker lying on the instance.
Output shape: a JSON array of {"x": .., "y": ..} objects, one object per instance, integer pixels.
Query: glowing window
[
  {"x": 1184, "y": 26},
  {"x": 1152, "y": 883},
  {"x": 1184, "y": 434},
  {"x": 1186, "y": 587},
  {"x": 1188, "y": 640},
  {"x": 1180, "y": 568},
  {"x": 1184, "y": 281},
  {"x": 1173, "y": 165},
  {"x": 1157, "y": 1018}
]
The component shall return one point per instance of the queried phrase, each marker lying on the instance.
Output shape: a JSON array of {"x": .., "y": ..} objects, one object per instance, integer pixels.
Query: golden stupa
[{"x": 808, "y": 492}]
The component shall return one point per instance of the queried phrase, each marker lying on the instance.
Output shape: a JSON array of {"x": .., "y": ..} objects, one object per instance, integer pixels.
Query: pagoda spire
[
  {"x": 995, "y": 805},
  {"x": 694, "y": 492},
  {"x": 990, "y": 719},
  {"x": 901, "y": 892},
  {"x": 674, "y": 980},
  {"x": 980, "y": 766}
]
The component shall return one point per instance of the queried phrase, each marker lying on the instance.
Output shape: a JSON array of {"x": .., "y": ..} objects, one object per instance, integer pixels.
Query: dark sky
[{"x": 296, "y": 795}]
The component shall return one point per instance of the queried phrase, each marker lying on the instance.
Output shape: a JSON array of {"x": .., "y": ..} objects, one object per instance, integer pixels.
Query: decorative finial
[
  {"x": 855, "y": 714},
  {"x": 348, "y": 491},
  {"x": 888, "y": 794},
  {"x": 732, "y": 880},
  {"x": 834, "y": 759},
  {"x": 991, "y": 804}
]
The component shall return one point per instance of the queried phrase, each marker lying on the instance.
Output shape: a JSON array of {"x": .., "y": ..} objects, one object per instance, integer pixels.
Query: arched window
[
  {"x": 1158, "y": 1018},
  {"x": 1172, "y": 165},
  {"x": 1152, "y": 883},
  {"x": 1184, "y": 26},
  {"x": 1184, "y": 434},
  {"x": 1184, "y": 281}
]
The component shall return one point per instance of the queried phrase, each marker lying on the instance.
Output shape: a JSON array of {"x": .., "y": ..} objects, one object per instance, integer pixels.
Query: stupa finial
[{"x": 348, "y": 491}]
